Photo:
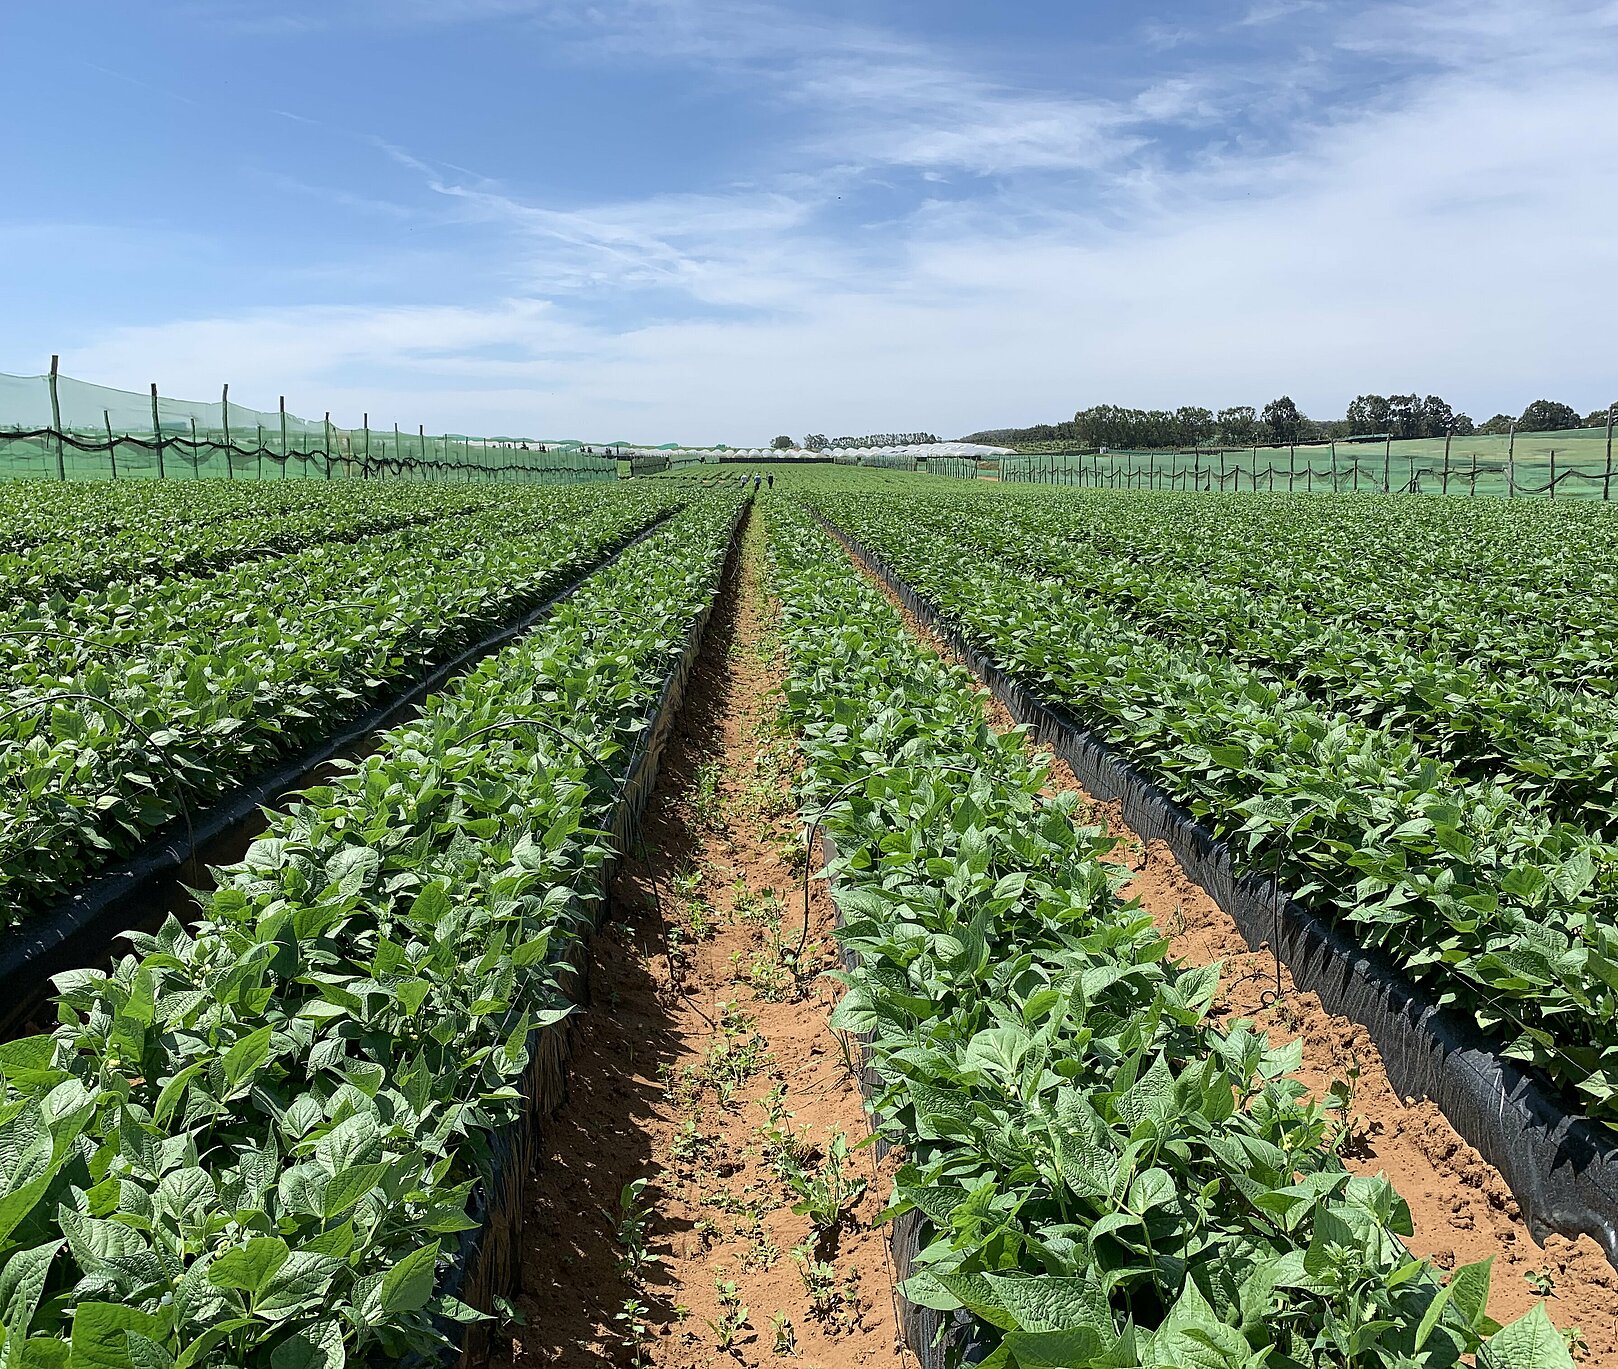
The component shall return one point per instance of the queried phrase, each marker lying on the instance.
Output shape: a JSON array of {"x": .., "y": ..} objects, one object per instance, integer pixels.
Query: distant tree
[
  {"x": 1282, "y": 420},
  {"x": 1310, "y": 431},
  {"x": 782, "y": 443},
  {"x": 1437, "y": 418},
  {"x": 1406, "y": 415},
  {"x": 1597, "y": 418},
  {"x": 1497, "y": 426},
  {"x": 1239, "y": 426},
  {"x": 1194, "y": 425},
  {"x": 1462, "y": 425},
  {"x": 1369, "y": 414},
  {"x": 1546, "y": 416},
  {"x": 815, "y": 442}
]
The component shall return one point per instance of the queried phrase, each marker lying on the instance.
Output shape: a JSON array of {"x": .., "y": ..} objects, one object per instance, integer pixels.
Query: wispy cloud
[{"x": 1275, "y": 197}]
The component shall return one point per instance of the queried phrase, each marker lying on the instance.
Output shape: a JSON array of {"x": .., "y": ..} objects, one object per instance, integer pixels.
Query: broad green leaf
[
  {"x": 408, "y": 1285},
  {"x": 249, "y": 1267}
]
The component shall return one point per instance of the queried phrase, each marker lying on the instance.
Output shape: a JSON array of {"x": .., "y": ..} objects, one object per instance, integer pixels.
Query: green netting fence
[
  {"x": 960, "y": 467},
  {"x": 1575, "y": 463},
  {"x": 882, "y": 461},
  {"x": 57, "y": 428}
]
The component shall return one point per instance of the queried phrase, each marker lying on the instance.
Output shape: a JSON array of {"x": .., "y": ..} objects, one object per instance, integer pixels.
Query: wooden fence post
[
  {"x": 1511, "y": 464},
  {"x": 56, "y": 422},
  {"x": 112, "y": 442},
  {"x": 157, "y": 434},
  {"x": 224, "y": 418},
  {"x": 1606, "y": 480},
  {"x": 284, "y": 453}
]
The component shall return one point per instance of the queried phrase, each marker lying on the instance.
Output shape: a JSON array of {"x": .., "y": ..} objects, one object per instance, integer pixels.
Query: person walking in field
[{"x": 770, "y": 478}]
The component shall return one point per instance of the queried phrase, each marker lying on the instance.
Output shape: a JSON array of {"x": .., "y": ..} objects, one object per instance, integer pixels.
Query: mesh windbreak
[
  {"x": 95, "y": 432},
  {"x": 1573, "y": 463}
]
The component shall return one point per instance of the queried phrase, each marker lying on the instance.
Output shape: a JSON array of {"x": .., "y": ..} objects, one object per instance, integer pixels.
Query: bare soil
[
  {"x": 1461, "y": 1209},
  {"x": 705, "y": 1067}
]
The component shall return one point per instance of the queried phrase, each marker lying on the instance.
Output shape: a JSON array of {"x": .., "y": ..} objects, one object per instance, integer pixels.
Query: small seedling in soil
[
  {"x": 687, "y": 882},
  {"x": 761, "y": 1252},
  {"x": 634, "y": 1331},
  {"x": 784, "y": 1338},
  {"x": 828, "y": 1192},
  {"x": 1576, "y": 1344},
  {"x": 689, "y": 1145},
  {"x": 839, "y": 1308},
  {"x": 732, "y": 1320},
  {"x": 707, "y": 810},
  {"x": 508, "y": 1312},
  {"x": 634, "y": 1256},
  {"x": 763, "y": 973},
  {"x": 699, "y": 919},
  {"x": 763, "y": 910},
  {"x": 737, "y": 1056},
  {"x": 1542, "y": 1281}
]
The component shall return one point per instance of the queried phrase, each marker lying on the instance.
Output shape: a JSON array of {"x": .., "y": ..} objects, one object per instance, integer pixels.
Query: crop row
[
  {"x": 70, "y": 539},
  {"x": 1490, "y": 720},
  {"x": 1518, "y": 589},
  {"x": 1106, "y": 1179},
  {"x": 124, "y": 711},
  {"x": 255, "y": 1143},
  {"x": 1472, "y": 891}
]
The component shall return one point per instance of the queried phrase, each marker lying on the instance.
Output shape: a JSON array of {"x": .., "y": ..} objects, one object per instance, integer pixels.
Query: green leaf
[
  {"x": 409, "y": 1284},
  {"x": 1469, "y": 1287},
  {"x": 312, "y": 1347},
  {"x": 301, "y": 1280},
  {"x": 1530, "y": 1342},
  {"x": 101, "y": 1334},
  {"x": 350, "y": 1185},
  {"x": 249, "y": 1267},
  {"x": 246, "y": 1057},
  {"x": 21, "y": 1283},
  {"x": 1045, "y": 1302},
  {"x": 1054, "y": 1349}
]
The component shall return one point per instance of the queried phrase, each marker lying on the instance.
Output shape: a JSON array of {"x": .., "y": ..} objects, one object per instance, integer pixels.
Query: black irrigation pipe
[
  {"x": 1560, "y": 1165},
  {"x": 488, "y": 1263},
  {"x": 79, "y": 928}
]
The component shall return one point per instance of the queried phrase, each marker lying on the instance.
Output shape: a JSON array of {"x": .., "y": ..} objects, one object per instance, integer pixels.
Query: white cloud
[{"x": 1449, "y": 231}]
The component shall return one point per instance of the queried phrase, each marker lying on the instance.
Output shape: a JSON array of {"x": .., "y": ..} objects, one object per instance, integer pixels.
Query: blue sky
[{"x": 717, "y": 221}]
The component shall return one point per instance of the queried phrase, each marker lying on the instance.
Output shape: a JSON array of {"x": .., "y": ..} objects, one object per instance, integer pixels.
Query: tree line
[
  {"x": 1281, "y": 421},
  {"x": 818, "y": 442}
]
